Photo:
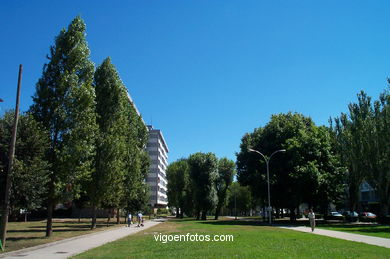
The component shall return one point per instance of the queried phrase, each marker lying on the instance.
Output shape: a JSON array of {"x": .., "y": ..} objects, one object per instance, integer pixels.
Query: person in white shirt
[
  {"x": 140, "y": 220},
  {"x": 129, "y": 220},
  {"x": 312, "y": 219}
]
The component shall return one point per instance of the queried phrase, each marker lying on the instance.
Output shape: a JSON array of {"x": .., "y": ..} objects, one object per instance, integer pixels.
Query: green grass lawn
[
  {"x": 26, "y": 234},
  {"x": 362, "y": 229},
  {"x": 251, "y": 240}
]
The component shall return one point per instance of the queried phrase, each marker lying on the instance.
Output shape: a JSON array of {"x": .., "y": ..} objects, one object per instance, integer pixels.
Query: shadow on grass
[
  {"x": 233, "y": 222},
  {"x": 25, "y": 231},
  {"x": 86, "y": 226},
  {"x": 23, "y": 238},
  {"x": 244, "y": 222},
  {"x": 44, "y": 230}
]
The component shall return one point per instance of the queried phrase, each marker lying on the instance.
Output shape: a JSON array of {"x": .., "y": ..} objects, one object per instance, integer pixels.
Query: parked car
[
  {"x": 334, "y": 215},
  {"x": 367, "y": 216},
  {"x": 351, "y": 216}
]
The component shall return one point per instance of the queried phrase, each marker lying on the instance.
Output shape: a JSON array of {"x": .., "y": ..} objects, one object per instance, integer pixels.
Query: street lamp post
[{"x": 269, "y": 192}]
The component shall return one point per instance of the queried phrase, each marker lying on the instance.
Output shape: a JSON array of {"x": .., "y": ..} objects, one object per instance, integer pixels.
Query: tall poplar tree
[
  {"x": 226, "y": 170},
  {"x": 178, "y": 185},
  {"x": 111, "y": 97},
  {"x": 137, "y": 161},
  {"x": 64, "y": 103},
  {"x": 203, "y": 173},
  {"x": 364, "y": 137}
]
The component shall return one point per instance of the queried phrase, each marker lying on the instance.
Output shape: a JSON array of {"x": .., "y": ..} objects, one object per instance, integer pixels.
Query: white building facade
[{"x": 157, "y": 180}]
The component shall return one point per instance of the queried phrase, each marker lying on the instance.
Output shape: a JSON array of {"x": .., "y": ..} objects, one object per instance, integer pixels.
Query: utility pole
[{"x": 5, "y": 211}]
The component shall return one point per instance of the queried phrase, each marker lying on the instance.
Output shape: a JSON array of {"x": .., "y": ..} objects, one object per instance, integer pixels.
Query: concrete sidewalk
[
  {"x": 378, "y": 241},
  {"x": 73, "y": 246}
]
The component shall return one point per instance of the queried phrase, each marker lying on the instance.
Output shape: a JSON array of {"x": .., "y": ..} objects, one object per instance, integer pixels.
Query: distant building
[
  {"x": 368, "y": 199},
  {"x": 157, "y": 179}
]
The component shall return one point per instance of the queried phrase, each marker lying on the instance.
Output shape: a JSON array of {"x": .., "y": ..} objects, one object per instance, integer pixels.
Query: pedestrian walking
[
  {"x": 140, "y": 220},
  {"x": 312, "y": 219},
  {"x": 129, "y": 219}
]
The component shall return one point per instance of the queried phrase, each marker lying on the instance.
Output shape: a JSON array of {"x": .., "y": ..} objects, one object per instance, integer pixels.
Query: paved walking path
[
  {"x": 378, "y": 241},
  {"x": 73, "y": 246}
]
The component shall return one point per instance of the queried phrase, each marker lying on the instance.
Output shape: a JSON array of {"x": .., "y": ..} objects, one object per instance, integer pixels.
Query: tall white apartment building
[{"x": 157, "y": 179}]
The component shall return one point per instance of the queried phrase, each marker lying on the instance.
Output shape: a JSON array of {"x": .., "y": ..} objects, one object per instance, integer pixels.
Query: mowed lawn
[
  {"x": 26, "y": 234},
  {"x": 251, "y": 240},
  {"x": 361, "y": 229}
]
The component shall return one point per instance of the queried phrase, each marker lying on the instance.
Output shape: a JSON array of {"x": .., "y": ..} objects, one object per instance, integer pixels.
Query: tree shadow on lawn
[
  {"x": 44, "y": 230},
  {"x": 86, "y": 226},
  {"x": 250, "y": 222},
  {"x": 23, "y": 238},
  {"x": 233, "y": 222}
]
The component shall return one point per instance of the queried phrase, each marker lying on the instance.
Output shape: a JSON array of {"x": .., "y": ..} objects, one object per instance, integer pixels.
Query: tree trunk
[
  {"x": 384, "y": 210},
  {"x": 197, "y": 215},
  {"x": 118, "y": 216},
  {"x": 217, "y": 212},
  {"x": 177, "y": 212},
  {"x": 108, "y": 217},
  {"x": 93, "y": 225},
  {"x": 353, "y": 196},
  {"x": 204, "y": 215},
  {"x": 49, "y": 223},
  {"x": 293, "y": 216},
  {"x": 79, "y": 215}
]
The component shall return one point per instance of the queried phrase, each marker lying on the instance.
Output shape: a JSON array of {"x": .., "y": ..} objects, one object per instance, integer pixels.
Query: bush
[
  {"x": 384, "y": 220},
  {"x": 162, "y": 211}
]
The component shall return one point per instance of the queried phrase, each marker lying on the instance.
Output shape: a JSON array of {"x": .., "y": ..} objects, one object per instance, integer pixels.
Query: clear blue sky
[{"x": 207, "y": 72}]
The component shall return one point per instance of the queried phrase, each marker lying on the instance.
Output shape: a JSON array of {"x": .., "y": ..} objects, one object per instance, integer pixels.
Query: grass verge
[
  {"x": 251, "y": 240},
  {"x": 27, "y": 234},
  {"x": 362, "y": 229}
]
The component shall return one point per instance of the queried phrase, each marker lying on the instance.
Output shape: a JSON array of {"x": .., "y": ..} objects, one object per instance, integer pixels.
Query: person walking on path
[
  {"x": 312, "y": 219},
  {"x": 129, "y": 219},
  {"x": 140, "y": 220}
]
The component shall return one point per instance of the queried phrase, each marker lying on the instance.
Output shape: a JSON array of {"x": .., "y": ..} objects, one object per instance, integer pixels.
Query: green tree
[
  {"x": 30, "y": 173},
  {"x": 108, "y": 177},
  {"x": 178, "y": 185},
  {"x": 379, "y": 165},
  {"x": 226, "y": 170},
  {"x": 318, "y": 175},
  {"x": 64, "y": 103},
  {"x": 363, "y": 137},
  {"x": 137, "y": 162},
  {"x": 310, "y": 164},
  {"x": 203, "y": 173},
  {"x": 137, "y": 195},
  {"x": 239, "y": 199}
]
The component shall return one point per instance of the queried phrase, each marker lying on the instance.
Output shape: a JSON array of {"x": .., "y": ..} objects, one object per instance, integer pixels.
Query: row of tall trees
[
  {"x": 199, "y": 184},
  {"x": 240, "y": 200},
  {"x": 308, "y": 172},
  {"x": 82, "y": 135},
  {"x": 321, "y": 163},
  {"x": 363, "y": 142}
]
